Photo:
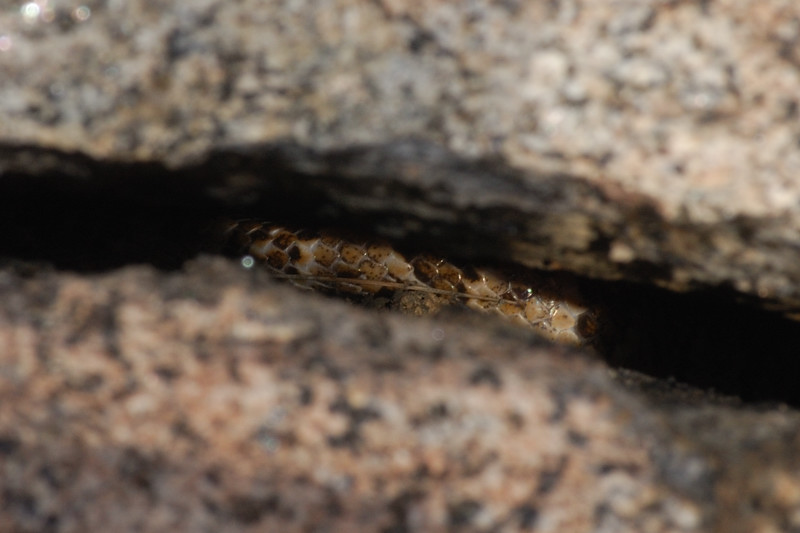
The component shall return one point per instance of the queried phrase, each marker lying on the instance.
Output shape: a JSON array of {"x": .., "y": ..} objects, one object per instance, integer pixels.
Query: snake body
[{"x": 331, "y": 262}]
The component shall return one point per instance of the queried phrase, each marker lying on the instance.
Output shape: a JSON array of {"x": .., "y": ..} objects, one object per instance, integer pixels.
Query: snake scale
[{"x": 334, "y": 263}]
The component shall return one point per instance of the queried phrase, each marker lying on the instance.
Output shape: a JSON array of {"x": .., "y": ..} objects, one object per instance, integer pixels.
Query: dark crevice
[
  {"x": 710, "y": 339},
  {"x": 70, "y": 212}
]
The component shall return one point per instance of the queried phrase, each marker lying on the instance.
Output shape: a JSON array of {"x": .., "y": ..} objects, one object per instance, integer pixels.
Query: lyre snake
[{"x": 331, "y": 262}]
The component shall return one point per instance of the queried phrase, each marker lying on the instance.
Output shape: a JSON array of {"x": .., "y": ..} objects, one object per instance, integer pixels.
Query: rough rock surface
[
  {"x": 677, "y": 120},
  {"x": 652, "y": 141},
  {"x": 214, "y": 400}
]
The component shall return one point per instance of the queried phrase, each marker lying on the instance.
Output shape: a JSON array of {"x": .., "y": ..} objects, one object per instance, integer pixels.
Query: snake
[{"x": 337, "y": 263}]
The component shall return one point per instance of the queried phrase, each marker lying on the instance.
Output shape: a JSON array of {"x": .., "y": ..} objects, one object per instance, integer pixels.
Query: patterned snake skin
[{"x": 330, "y": 262}]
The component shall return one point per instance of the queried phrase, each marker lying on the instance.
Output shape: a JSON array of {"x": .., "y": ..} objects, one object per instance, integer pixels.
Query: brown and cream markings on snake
[{"x": 330, "y": 262}]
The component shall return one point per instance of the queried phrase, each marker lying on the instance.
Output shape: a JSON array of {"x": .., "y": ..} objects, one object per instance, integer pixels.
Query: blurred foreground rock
[{"x": 214, "y": 400}]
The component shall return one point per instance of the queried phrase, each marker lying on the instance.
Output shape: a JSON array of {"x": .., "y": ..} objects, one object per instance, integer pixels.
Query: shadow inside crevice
[
  {"x": 709, "y": 339},
  {"x": 76, "y": 213},
  {"x": 104, "y": 216}
]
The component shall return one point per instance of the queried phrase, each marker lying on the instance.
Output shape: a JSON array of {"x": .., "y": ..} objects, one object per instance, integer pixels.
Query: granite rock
[
  {"x": 215, "y": 400},
  {"x": 648, "y": 141},
  {"x": 619, "y": 137}
]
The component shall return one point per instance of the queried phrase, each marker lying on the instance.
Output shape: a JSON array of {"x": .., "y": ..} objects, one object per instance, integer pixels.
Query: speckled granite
[
  {"x": 698, "y": 97},
  {"x": 217, "y": 401},
  {"x": 157, "y": 402},
  {"x": 687, "y": 110},
  {"x": 647, "y": 140}
]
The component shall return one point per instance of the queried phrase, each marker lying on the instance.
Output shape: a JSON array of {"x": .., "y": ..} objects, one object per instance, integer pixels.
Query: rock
[
  {"x": 658, "y": 141},
  {"x": 213, "y": 399},
  {"x": 649, "y": 142}
]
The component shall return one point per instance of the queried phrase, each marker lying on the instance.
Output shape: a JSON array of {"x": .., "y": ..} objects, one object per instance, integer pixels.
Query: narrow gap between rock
[{"x": 146, "y": 215}]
